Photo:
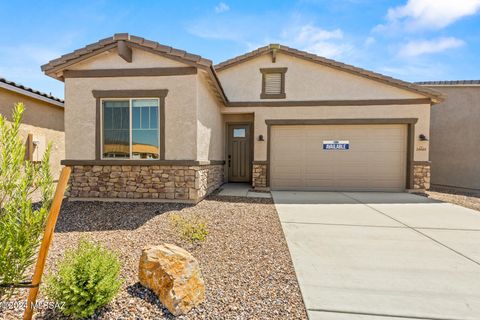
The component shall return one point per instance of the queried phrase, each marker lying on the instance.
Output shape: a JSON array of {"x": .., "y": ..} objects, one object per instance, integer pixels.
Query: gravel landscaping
[
  {"x": 468, "y": 200},
  {"x": 245, "y": 260}
]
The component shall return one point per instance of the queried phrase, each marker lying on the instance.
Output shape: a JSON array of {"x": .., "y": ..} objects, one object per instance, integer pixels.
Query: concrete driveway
[{"x": 382, "y": 256}]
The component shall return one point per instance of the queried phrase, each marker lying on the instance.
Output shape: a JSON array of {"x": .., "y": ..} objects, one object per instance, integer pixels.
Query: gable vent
[{"x": 273, "y": 83}]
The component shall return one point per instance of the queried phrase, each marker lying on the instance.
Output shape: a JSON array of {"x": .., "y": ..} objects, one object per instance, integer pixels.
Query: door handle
[{"x": 229, "y": 160}]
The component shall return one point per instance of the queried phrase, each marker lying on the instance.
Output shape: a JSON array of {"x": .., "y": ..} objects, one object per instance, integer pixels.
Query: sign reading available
[{"x": 336, "y": 144}]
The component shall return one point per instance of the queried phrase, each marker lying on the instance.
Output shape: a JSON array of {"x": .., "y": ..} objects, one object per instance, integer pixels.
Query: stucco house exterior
[
  {"x": 147, "y": 121},
  {"x": 455, "y": 136},
  {"x": 42, "y": 121}
]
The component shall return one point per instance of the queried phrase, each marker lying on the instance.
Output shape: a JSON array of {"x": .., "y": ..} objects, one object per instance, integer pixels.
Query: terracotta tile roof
[
  {"x": 131, "y": 39},
  {"x": 448, "y": 82},
  {"x": 29, "y": 91},
  {"x": 436, "y": 96},
  {"x": 55, "y": 66}
]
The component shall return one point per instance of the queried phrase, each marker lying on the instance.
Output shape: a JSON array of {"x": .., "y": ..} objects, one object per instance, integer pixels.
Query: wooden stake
[{"x": 46, "y": 241}]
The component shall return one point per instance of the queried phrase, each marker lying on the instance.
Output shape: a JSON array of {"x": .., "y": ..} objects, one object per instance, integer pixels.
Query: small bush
[
  {"x": 191, "y": 227},
  {"x": 87, "y": 279}
]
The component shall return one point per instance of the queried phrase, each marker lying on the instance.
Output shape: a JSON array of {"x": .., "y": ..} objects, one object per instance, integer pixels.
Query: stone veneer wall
[
  {"x": 145, "y": 182},
  {"x": 259, "y": 176},
  {"x": 421, "y": 176}
]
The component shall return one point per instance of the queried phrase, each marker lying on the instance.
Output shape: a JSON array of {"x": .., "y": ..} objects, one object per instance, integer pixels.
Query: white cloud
[
  {"x": 310, "y": 33},
  {"x": 327, "y": 43},
  {"x": 417, "y": 48},
  {"x": 369, "y": 41},
  {"x": 21, "y": 63},
  {"x": 221, "y": 7},
  {"x": 328, "y": 50},
  {"x": 429, "y": 14},
  {"x": 256, "y": 31}
]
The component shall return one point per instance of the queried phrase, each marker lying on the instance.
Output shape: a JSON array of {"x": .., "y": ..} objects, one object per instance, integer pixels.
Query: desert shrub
[
  {"x": 21, "y": 225},
  {"x": 88, "y": 278},
  {"x": 191, "y": 227}
]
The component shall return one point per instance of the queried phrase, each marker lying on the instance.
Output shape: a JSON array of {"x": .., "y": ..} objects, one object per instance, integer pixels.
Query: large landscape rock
[{"x": 174, "y": 275}]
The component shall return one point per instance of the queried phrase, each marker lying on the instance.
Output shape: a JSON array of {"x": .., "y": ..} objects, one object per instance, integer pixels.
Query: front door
[{"x": 238, "y": 156}]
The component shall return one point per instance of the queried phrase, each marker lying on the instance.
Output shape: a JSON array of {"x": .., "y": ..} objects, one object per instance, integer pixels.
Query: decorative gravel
[
  {"x": 468, "y": 200},
  {"x": 245, "y": 261}
]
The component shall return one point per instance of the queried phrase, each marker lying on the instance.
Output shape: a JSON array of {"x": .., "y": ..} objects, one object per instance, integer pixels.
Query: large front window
[{"x": 131, "y": 129}]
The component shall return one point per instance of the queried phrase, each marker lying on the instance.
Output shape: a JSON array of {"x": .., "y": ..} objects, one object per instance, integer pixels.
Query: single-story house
[
  {"x": 144, "y": 120},
  {"x": 42, "y": 121},
  {"x": 455, "y": 136}
]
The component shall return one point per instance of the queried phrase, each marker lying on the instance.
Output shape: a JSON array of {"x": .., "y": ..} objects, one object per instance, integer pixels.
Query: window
[
  {"x": 239, "y": 133},
  {"x": 130, "y": 129},
  {"x": 273, "y": 83}
]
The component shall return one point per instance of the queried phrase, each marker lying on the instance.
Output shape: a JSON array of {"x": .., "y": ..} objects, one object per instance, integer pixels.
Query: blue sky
[{"x": 411, "y": 40}]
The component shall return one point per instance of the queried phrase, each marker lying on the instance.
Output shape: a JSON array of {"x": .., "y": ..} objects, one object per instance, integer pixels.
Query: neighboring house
[
  {"x": 455, "y": 135},
  {"x": 144, "y": 120},
  {"x": 42, "y": 121}
]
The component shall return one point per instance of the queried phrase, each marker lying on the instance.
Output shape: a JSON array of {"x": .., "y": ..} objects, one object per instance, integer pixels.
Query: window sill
[
  {"x": 273, "y": 96},
  {"x": 125, "y": 162}
]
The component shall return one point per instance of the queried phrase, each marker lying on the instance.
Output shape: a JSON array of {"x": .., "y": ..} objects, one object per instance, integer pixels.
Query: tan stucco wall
[
  {"x": 304, "y": 80},
  {"x": 40, "y": 119},
  {"x": 422, "y": 112},
  {"x": 195, "y": 129},
  {"x": 140, "y": 59},
  {"x": 37, "y": 113},
  {"x": 455, "y": 138},
  {"x": 210, "y": 134},
  {"x": 180, "y": 113},
  {"x": 180, "y": 103}
]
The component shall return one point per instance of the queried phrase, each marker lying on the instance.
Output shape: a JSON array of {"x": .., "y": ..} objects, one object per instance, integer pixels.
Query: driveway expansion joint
[
  {"x": 344, "y": 224},
  {"x": 413, "y": 229}
]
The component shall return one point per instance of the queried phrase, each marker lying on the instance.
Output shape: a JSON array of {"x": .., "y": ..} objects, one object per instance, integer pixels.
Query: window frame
[
  {"x": 101, "y": 95},
  {"x": 130, "y": 126},
  {"x": 282, "y": 94}
]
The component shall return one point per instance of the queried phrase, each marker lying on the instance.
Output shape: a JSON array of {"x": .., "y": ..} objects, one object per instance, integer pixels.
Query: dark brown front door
[{"x": 238, "y": 156}]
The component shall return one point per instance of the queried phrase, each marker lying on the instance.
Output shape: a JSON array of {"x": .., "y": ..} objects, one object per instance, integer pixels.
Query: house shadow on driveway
[
  {"x": 86, "y": 216},
  {"x": 318, "y": 197}
]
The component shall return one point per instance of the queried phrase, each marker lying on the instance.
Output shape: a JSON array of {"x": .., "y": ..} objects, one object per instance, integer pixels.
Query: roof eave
[
  {"x": 55, "y": 68},
  {"x": 13, "y": 87},
  {"x": 434, "y": 96}
]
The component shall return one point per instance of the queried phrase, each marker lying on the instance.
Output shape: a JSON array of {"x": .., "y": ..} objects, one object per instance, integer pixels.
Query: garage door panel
[
  {"x": 376, "y": 159},
  {"x": 287, "y": 172}
]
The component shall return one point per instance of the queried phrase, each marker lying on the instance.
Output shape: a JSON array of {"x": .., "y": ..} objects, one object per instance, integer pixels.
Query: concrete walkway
[
  {"x": 241, "y": 190},
  {"x": 382, "y": 256}
]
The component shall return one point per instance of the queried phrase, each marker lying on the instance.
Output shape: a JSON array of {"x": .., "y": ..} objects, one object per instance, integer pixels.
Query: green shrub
[
  {"x": 87, "y": 279},
  {"x": 191, "y": 227},
  {"x": 21, "y": 225}
]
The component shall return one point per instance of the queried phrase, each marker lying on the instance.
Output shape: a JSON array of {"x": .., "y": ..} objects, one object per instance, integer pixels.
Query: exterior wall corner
[{"x": 421, "y": 176}]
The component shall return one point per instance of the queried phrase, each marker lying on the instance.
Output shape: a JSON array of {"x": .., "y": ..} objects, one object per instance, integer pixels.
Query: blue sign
[{"x": 336, "y": 145}]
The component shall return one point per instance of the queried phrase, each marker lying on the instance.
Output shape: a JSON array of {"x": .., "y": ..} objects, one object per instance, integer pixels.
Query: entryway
[
  {"x": 373, "y": 255},
  {"x": 239, "y": 152}
]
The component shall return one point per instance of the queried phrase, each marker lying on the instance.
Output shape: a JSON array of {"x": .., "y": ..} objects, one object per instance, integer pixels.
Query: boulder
[{"x": 174, "y": 275}]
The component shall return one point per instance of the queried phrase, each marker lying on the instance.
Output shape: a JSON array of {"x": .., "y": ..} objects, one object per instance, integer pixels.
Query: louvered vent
[{"x": 273, "y": 83}]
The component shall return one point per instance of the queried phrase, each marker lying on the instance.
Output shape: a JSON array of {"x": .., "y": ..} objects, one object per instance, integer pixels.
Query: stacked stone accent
[
  {"x": 259, "y": 176},
  {"x": 421, "y": 176},
  {"x": 209, "y": 178},
  {"x": 145, "y": 182}
]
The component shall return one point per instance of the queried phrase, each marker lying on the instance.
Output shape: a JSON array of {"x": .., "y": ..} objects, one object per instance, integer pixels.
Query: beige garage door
[{"x": 375, "y": 160}]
